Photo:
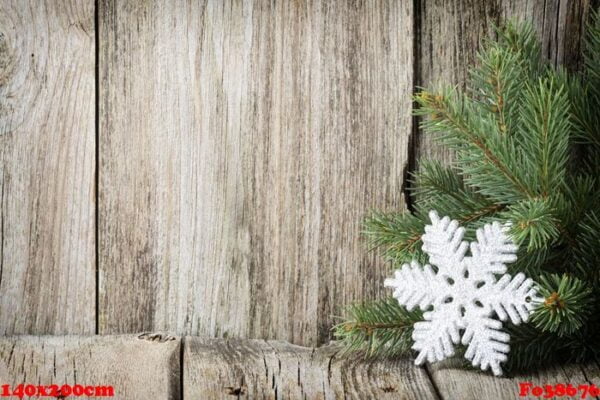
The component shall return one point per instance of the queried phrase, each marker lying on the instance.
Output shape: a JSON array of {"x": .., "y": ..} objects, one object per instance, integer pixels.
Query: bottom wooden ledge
[
  {"x": 277, "y": 370},
  {"x": 136, "y": 366},
  {"x": 159, "y": 366}
]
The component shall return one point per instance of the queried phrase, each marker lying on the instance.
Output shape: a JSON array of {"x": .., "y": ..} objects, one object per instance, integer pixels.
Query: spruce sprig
[
  {"x": 568, "y": 304},
  {"x": 377, "y": 328},
  {"x": 527, "y": 143}
]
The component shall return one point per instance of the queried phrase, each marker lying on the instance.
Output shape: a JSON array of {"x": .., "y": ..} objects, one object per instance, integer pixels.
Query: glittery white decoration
[{"x": 462, "y": 296}]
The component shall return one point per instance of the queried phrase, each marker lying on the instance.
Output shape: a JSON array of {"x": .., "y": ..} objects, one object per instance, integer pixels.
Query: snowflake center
[{"x": 464, "y": 293}]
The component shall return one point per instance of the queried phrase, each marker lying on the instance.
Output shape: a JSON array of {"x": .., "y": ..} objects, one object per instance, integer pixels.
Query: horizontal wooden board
[
  {"x": 142, "y": 366},
  {"x": 148, "y": 366},
  {"x": 256, "y": 369},
  {"x": 459, "y": 383}
]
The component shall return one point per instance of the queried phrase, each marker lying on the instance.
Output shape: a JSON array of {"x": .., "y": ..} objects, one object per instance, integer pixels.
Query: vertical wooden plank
[
  {"x": 47, "y": 158},
  {"x": 560, "y": 26},
  {"x": 132, "y": 367},
  {"x": 451, "y": 31},
  {"x": 242, "y": 142}
]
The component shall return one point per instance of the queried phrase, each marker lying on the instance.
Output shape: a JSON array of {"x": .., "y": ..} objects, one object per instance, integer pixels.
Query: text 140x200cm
[{"x": 57, "y": 391}]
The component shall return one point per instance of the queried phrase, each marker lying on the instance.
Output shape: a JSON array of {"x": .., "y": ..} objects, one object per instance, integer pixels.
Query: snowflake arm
[
  {"x": 512, "y": 298},
  {"x": 443, "y": 242},
  {"x": 488, "y": 345},
  {"x": 436, "y": 335},
  {"x": 414, "y": 286},
  {"x": 493, "y": 250}
]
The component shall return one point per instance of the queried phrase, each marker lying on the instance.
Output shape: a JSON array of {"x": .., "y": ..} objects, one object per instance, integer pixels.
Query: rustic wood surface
[
  {"x": 149, "y": 366},
  {"x": 47, "y": 157},
  {"x": 141, "y": 366},
  {"x": 217, "y": 368},
  {"x": 241, "y": 145},
  {"x": 451, "y": 32},
  {"x": 457, "y": 383},
  {"x": 257, "y": 369}
]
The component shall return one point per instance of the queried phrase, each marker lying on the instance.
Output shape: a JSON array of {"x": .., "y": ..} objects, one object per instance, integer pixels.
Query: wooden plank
[
  {"x": 241, "y": 145},
  {"x": 217, "y": 368},
  {"x": 457, "y": 383},
  {"x": 559, "y": 25},
  {"x": 148, "y": 365},
  {"x": 47, "y": 161},
  {"x": 591, "y": 373},
  {"x": 450, "y": 33},
  {"x": 136, "y": 366}
]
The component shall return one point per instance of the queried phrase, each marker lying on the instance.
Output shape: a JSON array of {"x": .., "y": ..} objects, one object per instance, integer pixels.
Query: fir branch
[
  {"x": 505, "y": 65},
  {"x": 520, "y": 38},
  {"x": 439, "y": 187},
  {"x": 567, "y": 305},
  {"x": 513, "y": 132},
  {"x": 591, "y": 57},
  {"x": 533, "y": 223},
  {"x": 584, "y": 114},
  {"x": 584, "y": 92},
  {"x": 399, "y": 234},
  {"x": 377, "y": 328},
  {"x": 535, "y": 262},
  {"x": 543, "y": 134},
  {"x": 586, "y": 254},
  {"x": 483, "y": 212},
  {"x": 454, "y": 115}
]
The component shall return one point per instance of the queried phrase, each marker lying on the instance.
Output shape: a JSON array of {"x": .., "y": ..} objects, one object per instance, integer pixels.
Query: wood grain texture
[
  {"x": 136, "y": 366},
  {"x": 591, "y": 374},
  {"x": 559, "y": 24},
  {"x": 457, "y": 383},
  {"x": 451, "y": 31},
  {"x": 242, "y": 143},
  {"x": 47, "y": 158},
  {"x": 160, "y": 366},
  {"x": 256, "y": 369}
]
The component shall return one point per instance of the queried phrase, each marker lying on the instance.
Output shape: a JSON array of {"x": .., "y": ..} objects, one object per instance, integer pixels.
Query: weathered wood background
[{"x": 202, "y": 167}]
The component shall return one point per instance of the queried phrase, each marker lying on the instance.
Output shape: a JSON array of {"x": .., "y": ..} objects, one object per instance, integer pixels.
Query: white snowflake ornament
[{"x": 462, "y": 296}]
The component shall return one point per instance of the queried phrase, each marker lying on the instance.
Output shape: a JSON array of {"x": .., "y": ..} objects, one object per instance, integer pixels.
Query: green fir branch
[
  {"x": 568, "y": 302},
  {"x": 527, "y": 140},
  {"x": 378, "y": 328}
]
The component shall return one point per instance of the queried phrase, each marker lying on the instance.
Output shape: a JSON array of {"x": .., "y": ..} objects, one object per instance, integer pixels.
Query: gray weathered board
[
  {"x": 47, "y": 158},
  {"x": 214, "y": 368},
  {"x": 202, "y": 167},
  {"x": 159, "y": 366},
  {"x": 241, "y": 144},
  {"x": 143, "y": 366}
]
